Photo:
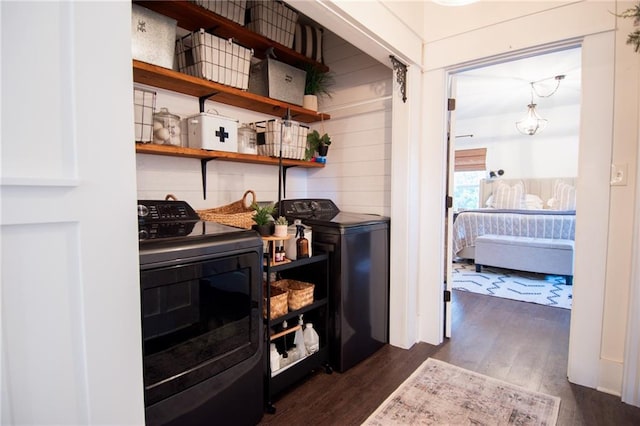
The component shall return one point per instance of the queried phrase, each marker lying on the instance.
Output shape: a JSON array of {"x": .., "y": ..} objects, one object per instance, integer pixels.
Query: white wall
[
  {"x": 599, "y": 366},
  {"x": 506, "y": 27},
  {"x": 112, "y": 354},
  {"x": 626, "y": 140},
  {"x": 551, "y": 153},
  {"x": 70, "y": 344},
  {"x": 357, "y": 174},
  {"x": 358, "y": 171},
  {"x": 442, "y": 22},
  {"x": 226, "y": 181},
  {"x": 493, "y": 96},
  {"x": 360, "y": 24}
]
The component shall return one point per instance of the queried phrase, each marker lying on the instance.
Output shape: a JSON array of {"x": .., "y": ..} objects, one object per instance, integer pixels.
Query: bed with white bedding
[{"x": 536, "y": 208}]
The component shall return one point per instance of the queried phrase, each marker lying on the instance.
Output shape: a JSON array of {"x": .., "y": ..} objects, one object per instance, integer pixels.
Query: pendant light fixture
[{"x": 533, "y": 123}]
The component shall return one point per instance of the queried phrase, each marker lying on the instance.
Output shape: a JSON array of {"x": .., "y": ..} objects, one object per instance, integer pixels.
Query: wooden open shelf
[
  {"x": 192, "y": 17},
  {"x": 176, "y": 151},
  {"x": 175, "y": 81}
]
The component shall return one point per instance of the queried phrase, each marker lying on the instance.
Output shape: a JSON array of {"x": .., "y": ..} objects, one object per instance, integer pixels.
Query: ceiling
[{"x": 505, "y": 89}]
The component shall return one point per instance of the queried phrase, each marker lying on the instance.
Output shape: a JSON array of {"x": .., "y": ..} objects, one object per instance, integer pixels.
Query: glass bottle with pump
[{"x": 302, "y": 244}]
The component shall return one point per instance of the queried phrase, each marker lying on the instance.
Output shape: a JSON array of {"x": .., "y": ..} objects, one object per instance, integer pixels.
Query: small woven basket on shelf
[
  {"x": 300, "y": 293},
  {"x": 278, "y": 301},
  {"x": 238, "y": 214}
]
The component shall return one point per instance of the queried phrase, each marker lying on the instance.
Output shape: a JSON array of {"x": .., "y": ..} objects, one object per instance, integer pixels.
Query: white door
[
  {"x": 451, "y": 120},
  {"x": 70, "y": 305}
]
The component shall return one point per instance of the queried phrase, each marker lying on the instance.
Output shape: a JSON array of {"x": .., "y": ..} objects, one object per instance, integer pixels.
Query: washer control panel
[
  {"x": 308, "y": 208},
  {"x": 165, "y": 211}
]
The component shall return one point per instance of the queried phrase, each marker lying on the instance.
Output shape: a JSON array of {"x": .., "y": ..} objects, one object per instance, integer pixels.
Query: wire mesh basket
[
  {"x": 292, "y": 134},
  {"x": 144, "y": 103},
  {"x": 273, "y": 19},
  {"x": 204, "y": 55},
  {"x": 233, "y": 10}
]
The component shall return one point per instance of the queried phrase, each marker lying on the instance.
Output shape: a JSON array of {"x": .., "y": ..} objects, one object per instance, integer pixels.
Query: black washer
[{"x": 358, "y": 247}]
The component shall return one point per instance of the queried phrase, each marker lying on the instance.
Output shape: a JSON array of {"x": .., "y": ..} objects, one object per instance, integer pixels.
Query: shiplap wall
[
  {"x": 226, "y": 181},
  {"x": 357, "y": 174}
]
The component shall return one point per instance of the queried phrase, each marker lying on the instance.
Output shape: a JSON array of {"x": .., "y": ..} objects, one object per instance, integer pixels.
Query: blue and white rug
[{"x": 529, "y": 287}]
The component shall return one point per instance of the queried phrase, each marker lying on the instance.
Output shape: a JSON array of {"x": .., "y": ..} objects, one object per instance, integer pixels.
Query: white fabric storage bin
[
  {"x": 213, "y": 132},
  {"x": 153, "y": 37},
  {"x": 204, "y": 55}
]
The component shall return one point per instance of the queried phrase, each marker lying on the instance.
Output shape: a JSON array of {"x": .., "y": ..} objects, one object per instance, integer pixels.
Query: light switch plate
[{"x": 619, "y": 174}]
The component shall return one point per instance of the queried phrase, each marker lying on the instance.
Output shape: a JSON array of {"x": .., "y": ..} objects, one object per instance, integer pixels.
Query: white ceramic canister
[{"x": 211, "y": 131}]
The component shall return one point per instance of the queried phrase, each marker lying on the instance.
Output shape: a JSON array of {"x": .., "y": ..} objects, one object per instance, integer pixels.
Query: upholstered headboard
[{"x": 542, "y": 187}]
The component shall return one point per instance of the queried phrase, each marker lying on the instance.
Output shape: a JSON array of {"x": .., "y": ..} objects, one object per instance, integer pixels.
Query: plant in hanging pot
[
  {"x": 263, "y": 218},
  {"x": 317, "y": 83},
  {"x": 281, "y": 227},
  {"x": 634, "y": 37},
  {"x": 317, "y": 143}
]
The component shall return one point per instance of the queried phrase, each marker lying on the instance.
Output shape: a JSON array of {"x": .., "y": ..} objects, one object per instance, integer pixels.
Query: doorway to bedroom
[{"x": 493, "y": 148}]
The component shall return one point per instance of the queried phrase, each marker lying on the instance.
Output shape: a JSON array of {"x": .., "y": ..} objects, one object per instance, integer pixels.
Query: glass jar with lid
[
  {"x": 247, "y": 140},
  {"x": 166, "y": 128}
]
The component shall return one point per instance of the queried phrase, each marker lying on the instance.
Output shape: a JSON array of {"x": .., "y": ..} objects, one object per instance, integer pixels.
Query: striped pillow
[
  {"x": 308, "y": 41},
  {"x": 564, "y": 197},
  {"x": 509, "y": 197}
]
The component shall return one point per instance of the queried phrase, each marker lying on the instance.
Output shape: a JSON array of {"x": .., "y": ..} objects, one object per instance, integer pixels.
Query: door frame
[
  {"x": 448, "y": 209},
  {"x": 587, "y": 313},
  {"x": 451, "y": 74}
]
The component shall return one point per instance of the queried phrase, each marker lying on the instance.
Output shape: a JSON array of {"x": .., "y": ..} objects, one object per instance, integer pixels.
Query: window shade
[{"x": 471, "y": 160}]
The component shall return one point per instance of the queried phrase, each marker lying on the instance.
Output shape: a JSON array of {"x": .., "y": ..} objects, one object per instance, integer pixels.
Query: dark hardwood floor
[{"x": 521, "y": 343}]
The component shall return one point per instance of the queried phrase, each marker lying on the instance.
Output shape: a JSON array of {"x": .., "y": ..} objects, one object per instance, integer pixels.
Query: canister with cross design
[{"x": 212, "y": 131}]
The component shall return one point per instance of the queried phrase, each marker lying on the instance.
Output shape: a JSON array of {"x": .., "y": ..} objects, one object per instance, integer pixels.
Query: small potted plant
[
  {"x": 317, "y": 83},
  {"x": 263, "y": 218},
  {"x": 281, "y": 227},
  {"x": 317, "y": 143}
]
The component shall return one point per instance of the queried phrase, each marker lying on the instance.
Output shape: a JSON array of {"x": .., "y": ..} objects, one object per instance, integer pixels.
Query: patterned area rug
[
  {"x": 542, "y": 289},
  {"x": 438, "y": 393}
]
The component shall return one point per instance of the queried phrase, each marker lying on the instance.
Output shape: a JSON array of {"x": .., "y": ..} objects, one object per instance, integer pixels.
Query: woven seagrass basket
[
  {"x": 278, "y": 301},
  {"x": 300, "y": 293},
  {"x": 238, "y": 214}
]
